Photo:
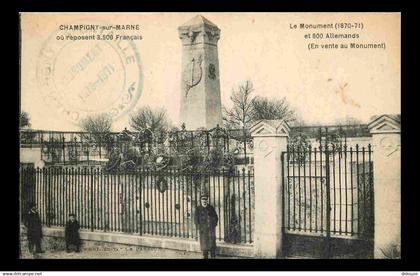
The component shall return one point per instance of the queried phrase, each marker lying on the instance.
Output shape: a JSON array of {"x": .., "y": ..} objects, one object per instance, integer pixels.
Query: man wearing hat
[
  {"x": 34, "y": 230},
  {"x": 206, "y": 221},
  {"x": 72, "y": 233}
]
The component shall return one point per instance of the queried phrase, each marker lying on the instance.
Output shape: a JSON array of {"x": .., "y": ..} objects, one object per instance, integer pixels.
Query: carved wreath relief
[
  {"x": 388, "y": 145},
  {"x": 263, "y": 146},
  {"x": 212, "y": 71}
]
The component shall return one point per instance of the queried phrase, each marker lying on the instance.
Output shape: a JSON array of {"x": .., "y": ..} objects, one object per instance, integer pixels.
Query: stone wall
[{"x": 104, "y": 242}]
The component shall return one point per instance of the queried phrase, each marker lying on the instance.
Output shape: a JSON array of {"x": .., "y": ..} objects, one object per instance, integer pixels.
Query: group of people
[
  {"x": 205, "y": 219},
  {"x": 34, "y": 232}
]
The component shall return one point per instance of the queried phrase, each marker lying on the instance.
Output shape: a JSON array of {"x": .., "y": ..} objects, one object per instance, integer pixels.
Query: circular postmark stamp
[{"x": 88, "y": 70}]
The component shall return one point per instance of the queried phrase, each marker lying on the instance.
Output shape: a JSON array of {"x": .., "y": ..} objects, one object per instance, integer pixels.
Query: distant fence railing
[
  {"x": 343, "y": 131},
  {"x": 75, "y": 147},
  {"x": 144, "y": 202}
]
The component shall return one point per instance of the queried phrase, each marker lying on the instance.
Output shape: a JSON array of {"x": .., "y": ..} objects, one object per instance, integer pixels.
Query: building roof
[{"x": 395, "y": 117}]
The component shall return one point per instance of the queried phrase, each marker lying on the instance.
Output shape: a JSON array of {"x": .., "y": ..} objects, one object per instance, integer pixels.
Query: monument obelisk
[{"x": 200, "y": 82}]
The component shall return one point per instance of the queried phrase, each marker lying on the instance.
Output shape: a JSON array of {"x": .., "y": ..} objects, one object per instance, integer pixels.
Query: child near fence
[{"x": 72, "y": 234}]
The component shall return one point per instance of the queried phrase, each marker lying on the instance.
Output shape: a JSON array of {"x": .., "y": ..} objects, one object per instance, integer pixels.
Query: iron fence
[
  {"x": 91, "y": 148},
  {"x": 328, "y": 190},
  {"x": 143, "y": 202}
]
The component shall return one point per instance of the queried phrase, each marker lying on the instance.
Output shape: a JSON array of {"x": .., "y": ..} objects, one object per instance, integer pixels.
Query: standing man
[
  {"x": 34, "y": 230},
  {"x": 72, "y": 233},
  {"x": 206, "y": 221}
]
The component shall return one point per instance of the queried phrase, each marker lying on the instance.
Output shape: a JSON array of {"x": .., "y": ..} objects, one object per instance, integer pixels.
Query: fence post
[
  {"x": 64, "y": 149},
  {"x": 49, "y": 195},
  {"x": 92, "y": 207},
  {"x": 386, "y": 141},
  {"x": 327, "y": 245},
  {"x": 270, "y": 140},
  {"x": 75, "y": 149},
  {"x": 100, "y": 145}
]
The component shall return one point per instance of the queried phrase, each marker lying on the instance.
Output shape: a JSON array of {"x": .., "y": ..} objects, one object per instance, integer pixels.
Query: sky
[{"x": 321, "y": 85}]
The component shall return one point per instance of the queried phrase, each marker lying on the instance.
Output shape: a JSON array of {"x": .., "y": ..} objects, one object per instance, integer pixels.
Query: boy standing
[{"x": 72, "y": 233}]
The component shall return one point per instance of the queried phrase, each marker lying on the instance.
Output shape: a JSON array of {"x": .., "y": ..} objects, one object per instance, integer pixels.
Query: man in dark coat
[
  {"x": 206, "y": 221},
  {"x": 72, "y": 233},
  {"x": 34, "y": 230}
]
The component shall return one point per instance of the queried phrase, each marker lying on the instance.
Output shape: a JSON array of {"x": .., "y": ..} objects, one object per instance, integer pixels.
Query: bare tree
[
  {"x": 99, "y": 125},
  {"x": 240, "y": 113},
  {"x": 147, "y": 118},
  {"x": 269, "y": 109},
  {"x": 247, "y": 109},
  {"x": 24, "y": 119},
  {"x": 297, "y": 122}
]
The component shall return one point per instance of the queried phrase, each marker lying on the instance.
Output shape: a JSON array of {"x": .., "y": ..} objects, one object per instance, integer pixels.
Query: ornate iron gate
[{"x": 328, "y": 201}]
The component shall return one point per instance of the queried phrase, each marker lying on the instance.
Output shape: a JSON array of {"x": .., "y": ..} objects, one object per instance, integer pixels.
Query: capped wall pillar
[
  {"x": 270, "y": 140},
  {"x": 386, "y": 142}
]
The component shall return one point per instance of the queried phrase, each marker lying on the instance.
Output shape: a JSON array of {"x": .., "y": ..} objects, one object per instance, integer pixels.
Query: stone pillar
[
  {"x": 386, "y": 142},
  {"x": 201, "y": 104},
  {"x": 270, "y": 140}
]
